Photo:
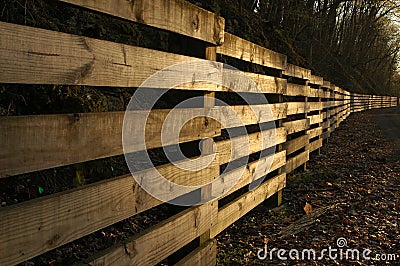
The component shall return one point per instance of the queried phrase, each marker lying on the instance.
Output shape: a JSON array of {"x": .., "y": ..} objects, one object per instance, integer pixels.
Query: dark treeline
[{"x": 354, "y": 44}]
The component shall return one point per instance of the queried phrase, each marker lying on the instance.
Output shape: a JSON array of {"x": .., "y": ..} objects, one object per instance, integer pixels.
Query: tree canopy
[{"x": 354, "y": 44}]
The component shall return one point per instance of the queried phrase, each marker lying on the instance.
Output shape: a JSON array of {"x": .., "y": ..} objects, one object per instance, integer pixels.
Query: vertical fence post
[{"x": 208, "y": 144}]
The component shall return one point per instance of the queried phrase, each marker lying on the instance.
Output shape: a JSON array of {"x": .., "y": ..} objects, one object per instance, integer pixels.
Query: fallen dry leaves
[{"x": 355, "y": 180}]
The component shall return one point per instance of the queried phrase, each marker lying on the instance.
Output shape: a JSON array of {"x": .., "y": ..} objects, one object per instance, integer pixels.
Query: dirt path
[
  {"x": 389, "y": 121},
  {"x": 353, "y": 189}
]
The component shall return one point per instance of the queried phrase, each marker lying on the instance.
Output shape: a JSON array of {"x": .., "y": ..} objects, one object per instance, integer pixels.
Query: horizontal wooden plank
[
  {"x": 158, "y": 242},
  {"x": 314, "y": 145},
  {"x": 45, "y": 223},
  {"x": 294, "y": 108},
  {"x": 297, "y": 72},
  {"x": 326, "y": 84},
  {"x": 228, "y": 80},
  {"x": 296, "y": 126},
  {"x": 328, "y": 104},
  {"x": 296, "y": 161},
  {"x": 239, "y": 207},
  {"x": 37, "y": 56},
  {"x": 268, "y": 84},
  {"x": 242, "y": 49},
  {"x": 295, "y": 144},
  {"x": 177, "y": 16},
  {"x": 235, "y": 148},
  {"x": 297, "y": 90},
  {"x": 325, "y": 124},
  {"x": 315, "y": 132},
  {"x": 31, "y": 143},
  {"x": 318, "y": 93},
  {"x": 240, "y": 177},
  {"x": 317, "y": 80},
  {"x": 205, "y": 255},
  {"x": 315, "y": 119},
  {"x": 239, "y": 115},
  {"x": 315, "y": 106}
]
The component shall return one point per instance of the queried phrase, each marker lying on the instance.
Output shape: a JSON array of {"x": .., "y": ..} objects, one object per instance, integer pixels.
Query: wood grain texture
[
  {"x": 317, "y": 80},
  {"x": 235, "y": 148},
  {"x": 268, "y": 84},
  {"x": 315, "y": 119},
  {"x": 318, "y": 93},
  {"x": 296, "y": 126},
  {"x": 31, "y": 143},
  {"x": 242, "y": 49},
  {"x": 297, "y": 90},
  {"x": 173, "y": 15},
  {"x": 314, "y": 145},
  {"x": 326, "y": 84},
  {"x": 264, "y": 84},
  {"x": 205, "y": 255},
  {"x": 37, "y": 56},
  {"x": 315, "y": 106},
  {"x": 240, "y": 115},
  {"x": 294, "y": 108},
  {"x": 295, "y": 144},
  {"x": 239, "y": 207},
  {"x": 158, "y": 242},
  {"x": 297, "y": 72},
  {"x": 296, "y": 161},
  {"x": 242, "y": 176},
  {"x": 45, "y": 223},
  {"x": 315, "y": 132}
]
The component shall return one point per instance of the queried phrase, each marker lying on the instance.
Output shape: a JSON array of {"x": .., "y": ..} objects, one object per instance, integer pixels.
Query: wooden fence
[{"x": 306, "y": 109}]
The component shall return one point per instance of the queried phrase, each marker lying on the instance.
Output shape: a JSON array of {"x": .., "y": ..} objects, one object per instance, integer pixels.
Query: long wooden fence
[{"x": 306, "y": 110}]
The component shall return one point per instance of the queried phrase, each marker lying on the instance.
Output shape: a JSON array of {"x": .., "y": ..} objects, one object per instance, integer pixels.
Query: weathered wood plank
[
  {"x": 240, "y": 177},
  {"x": 177, "y": 16},
  {"x": 268, "y": 84},
  {"x": 317, "y": 93},
  {"x": 31, "y": 143},
  {"x": 295, "y": 162},
  {"x": 294, "y": 108},
  {"x": 242, "y": 49},
  {"x": 315, "y": 106},
  {"x": 296, "y": 126},
  {"x": 264, "y": 84},
  {"x": 46, "y": 223},
  {"x": 232, "y": 149},
  {"x": 326, "y": 84},
  {"x": 327, "y": 104},
  {"x": 297, "y": 72},
  {"x": 37, "y": 56},
  {"x": 317, "y": 80},
  {"x": 297, "y": 90},
  {"x": 205, "y": 255},
  {"x": 239, "y": 207},
  {"x": 325, "y": 124},
  {"x": 295, "y": 144},
  {"x": 314, "y": 145},
  {"x": 315, "y": 132},
  {"x": 158, "y": 242},
  {"x": 248, "y": 114},
  {"x": 315, "y": 119}
]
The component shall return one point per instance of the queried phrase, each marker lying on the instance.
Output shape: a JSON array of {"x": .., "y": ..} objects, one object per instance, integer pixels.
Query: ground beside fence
[{"x": 353, "y": 189}]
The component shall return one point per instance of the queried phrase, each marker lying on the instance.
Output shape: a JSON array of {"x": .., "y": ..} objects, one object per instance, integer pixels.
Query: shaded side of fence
[{"x": 306, "y": 110}]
